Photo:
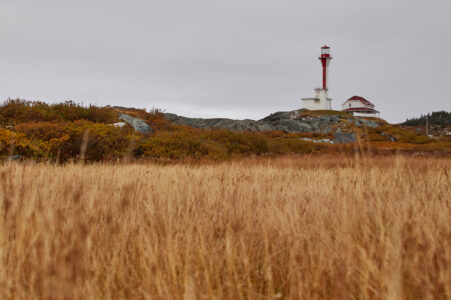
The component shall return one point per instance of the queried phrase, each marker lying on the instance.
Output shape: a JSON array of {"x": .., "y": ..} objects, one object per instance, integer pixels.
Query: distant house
[{"x": 359, "y": 106}]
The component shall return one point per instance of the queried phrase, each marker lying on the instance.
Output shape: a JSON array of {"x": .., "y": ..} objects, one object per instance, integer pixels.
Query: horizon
[
  {"x": 213, "y": 117},
  {"x": 226, "y": 60}
]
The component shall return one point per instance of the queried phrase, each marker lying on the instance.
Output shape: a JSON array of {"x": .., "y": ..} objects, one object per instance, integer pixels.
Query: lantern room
[{"x": 325, "y": 51}]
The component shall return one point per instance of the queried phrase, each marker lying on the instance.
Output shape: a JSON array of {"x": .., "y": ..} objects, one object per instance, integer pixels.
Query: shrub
[
  {"x": 216, "y": 144},
  {"x": 12, "y": 143},
  {"x": 64, "y": 140},
  {"x": 15, "y": 111},
  {"x": 172, "y": 145},
  {"x": 404, "y": 136},
  {"x": 239, "y": 142}
]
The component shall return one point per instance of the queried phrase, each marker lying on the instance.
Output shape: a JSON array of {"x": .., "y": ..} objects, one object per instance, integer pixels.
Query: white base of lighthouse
[{"x": 320, "y": 102}]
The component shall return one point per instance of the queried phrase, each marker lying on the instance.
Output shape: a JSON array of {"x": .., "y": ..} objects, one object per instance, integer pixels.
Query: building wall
[
  {"x": 321, "y": 102},
  {"x": 354, "y": 103},
  {"x": 316, "y": 105},
  {"x": 311, "y": 104},
  {"x": 356, "y": 114}
]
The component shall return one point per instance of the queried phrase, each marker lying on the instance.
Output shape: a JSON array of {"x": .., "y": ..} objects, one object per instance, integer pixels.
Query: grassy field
[{"x": 304, "y": 227}]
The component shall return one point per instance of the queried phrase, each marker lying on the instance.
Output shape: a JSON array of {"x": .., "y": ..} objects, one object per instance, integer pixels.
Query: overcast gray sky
[{"x": 230, "y": 58}]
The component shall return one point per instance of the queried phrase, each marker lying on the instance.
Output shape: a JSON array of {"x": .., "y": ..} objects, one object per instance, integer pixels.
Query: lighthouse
[
  {"x": 325, "y": 61},
  {"x": 321, "y": 101}
]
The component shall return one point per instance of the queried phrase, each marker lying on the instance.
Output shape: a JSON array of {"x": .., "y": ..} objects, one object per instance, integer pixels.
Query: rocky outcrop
[
  {"x": 293, "y": 121},
  {"x": 289, "y": 121},
  {"x": 237, "y": 125},
  {"x": 13, "y": 158},
  {"x": 344, "y": 138},
  {"x": 120, "y": 124},
  {"x": 365, "y": 122},
  {"x": 328, "y": 141},
  {"x": 138, "y": 124}
]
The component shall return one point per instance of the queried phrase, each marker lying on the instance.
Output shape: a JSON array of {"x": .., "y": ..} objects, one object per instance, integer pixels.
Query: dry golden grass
[{"x": 291, "y": 228}]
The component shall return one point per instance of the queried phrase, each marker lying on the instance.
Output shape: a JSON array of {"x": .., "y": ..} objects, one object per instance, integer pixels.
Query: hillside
[
  {"x": 439, "y": 124},
  {"x": 287, "y": 121},
  {"x": 68, "y": 131},
  {"x": 438, "y": 118}
]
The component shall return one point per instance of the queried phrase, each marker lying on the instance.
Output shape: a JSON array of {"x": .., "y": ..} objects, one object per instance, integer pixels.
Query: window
[
  {"x": 325, "y": 50},
  {"x": 349, "y": 104}
]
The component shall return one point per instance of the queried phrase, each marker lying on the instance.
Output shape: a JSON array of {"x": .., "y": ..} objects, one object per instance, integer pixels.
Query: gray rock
[
  {"x": 237, "y": 125},
  {"x": 280, "y": 115},
  {"x": 391, "y": 138},
  {"x": 344, "y": 138},
  {"x": 288, "y": 121},
  {"x": 171, "y": 117},
  {"x": 307, "y": 139},
  {"x": 330, "y": 119},
  {"x": 13, "y": 158},
  {"x": 137, "y": 124},
  {"x": 370, "y": 123},
  {"x": 326, "y": 141},
  {"x": 119, "y": 124},
  {"x": 357, "y": 122},
  {"x": 290, "y": 126},
  {"x": 326, "y": 130},
  {"x": 317, "y": 141},
  {"x": 365, "y": 122}
]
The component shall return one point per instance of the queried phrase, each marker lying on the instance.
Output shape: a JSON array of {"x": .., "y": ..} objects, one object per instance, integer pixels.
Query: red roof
[
  {"x": 360, "y": 109},
  {"x": 361, "y": 99},
  {"x": 325, "y": 47}
]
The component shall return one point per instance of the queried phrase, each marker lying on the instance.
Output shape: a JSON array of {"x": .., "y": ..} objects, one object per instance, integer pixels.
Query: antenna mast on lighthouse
[{"x": 325, "y": 61}]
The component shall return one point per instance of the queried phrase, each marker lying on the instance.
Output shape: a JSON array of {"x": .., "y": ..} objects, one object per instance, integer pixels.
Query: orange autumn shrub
[
  {"x": 64, "y": 140},
  {"x": 218, "y": 144},
  {"x": 15, "y": 111},
  {"x": 12, "y": 143}
]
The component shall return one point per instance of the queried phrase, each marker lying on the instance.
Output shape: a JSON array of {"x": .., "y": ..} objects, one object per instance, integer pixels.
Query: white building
[
  {"x": 321, "y": 101},
  {"x": 359, "y": 106}
]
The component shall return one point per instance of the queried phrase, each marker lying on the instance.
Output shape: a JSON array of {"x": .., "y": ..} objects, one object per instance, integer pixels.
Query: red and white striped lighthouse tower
[
  {"x": 321, "y": 101},
  {"x": 325, "y": 61}
]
